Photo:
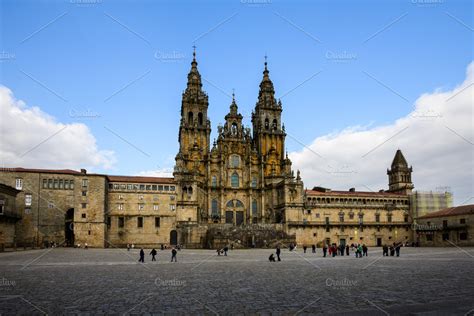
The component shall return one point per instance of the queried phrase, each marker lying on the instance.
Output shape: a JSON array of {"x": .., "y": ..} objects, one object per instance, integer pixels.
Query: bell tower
[
  {"x": 399, "y": 176},
  {"x": 268, "y": 131}
]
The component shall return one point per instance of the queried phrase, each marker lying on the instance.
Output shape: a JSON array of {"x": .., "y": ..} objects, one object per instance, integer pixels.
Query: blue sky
[{"x": 104, "y": 58}]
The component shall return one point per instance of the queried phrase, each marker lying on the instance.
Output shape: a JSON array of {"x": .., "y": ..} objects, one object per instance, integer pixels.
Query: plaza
[{"x": 422, "y": 281}]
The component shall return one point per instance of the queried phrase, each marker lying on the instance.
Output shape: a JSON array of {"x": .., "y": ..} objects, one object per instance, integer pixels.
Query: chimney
[
  {"x": 352, "y": 190},
  {"x": 83, "y": 171}
]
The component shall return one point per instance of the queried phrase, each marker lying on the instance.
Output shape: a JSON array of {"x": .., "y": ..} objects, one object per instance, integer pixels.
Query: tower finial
[
  {"x": 233, "y": 94},
  {"x": 194, "y": 52},
  {"x": 266, "y": 61}
]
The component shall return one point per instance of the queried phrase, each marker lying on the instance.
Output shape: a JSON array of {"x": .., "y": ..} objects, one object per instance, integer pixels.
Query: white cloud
[
  {"x": 31, "y": 138},
  {"x": 436, "y": 139}
]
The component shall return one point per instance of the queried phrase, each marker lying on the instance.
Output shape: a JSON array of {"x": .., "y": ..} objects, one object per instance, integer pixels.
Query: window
[
  {"x": 71, "y": 184},
  {"x": 351, "y": 215},
  {"x": 50, "y": 205},
  {"x": 142, "y": 187},
  {"x": 84, "y": 193},
  {"x": 148, "y": 187},
  {"x": 463, "y": 236},
  {"x": 141, "y": 207},
  {"x": 190, "y": 118},
  {"x": 445, "y": 223},
  {"x": 327, "y": 220},
  {"x": 254, "y": 208},
  {"x": 214, "y": 181},
  {"x": 214, "y": 208},
  {"x": 50, "y": 183},
  {"x": 121, "y": 222},
  {"x": 19, "y": 184},
  {"x": 154, "y": 187},
  {"x": 61, "y": 184},
  {"x": 166, "y": 187},
  {"x": 462, "y": 221},
  {"x": 28, "y": 199},
  {"x": 405, "y": 218},
  {"x": 45, "y": 183},
  {"x": 129, "y": 186},
  {"x": 120, "y": 197},
  {"x": 235, "y": 161},
  {"x": 172, "y": 207},
  {"x": 157, "y": 222},
  {"x": 172, "y": 197},
  {"x": 116, "y": 187},
  {"x": 56, "y": 183},
  {"x": 234, "y": 180},
  {"x": 389, "y": 218},
  {"x": 160, "y": 188},
  {"x": 120, "y": 206},
  {"x": 327, "y": 229},
  {"x": 84, "y": 205},
  {"x": 377, "y": 218},
  {"x": 85, "y": 182},
  {"x": 200, "y": 118},
  {"x": 109, "y": 221},
  {"x": 155, "y": 207},
  {"x": 274, "y": 124},
  {"x": 172, "y": 188},
  {"x": 254, "y": 182},
  {"x": 267, "y": 124},
  {"x": 341, "y": 217},
  {"x": 139, "y": 222},
  {"x": 429, "y": 237},
  {"x": 361, "y": 219},
  {"x": 66, "y": 184},
  {"x": 83, "y": 215}
]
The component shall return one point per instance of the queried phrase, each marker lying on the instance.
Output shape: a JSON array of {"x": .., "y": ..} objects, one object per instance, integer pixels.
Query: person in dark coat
[
  {"x": 385, "y": 250},
  {"x": 173, "y": 255},
  {"x": 347, "y": 250},
  {"x": 313, "y": 248},
  {"x": 153, "y": 254},
  {"x": 304, "y": 248},
  {"x": 142, "y": 256},
  {"x": 341, "y": 249},
  {"x": 325, "y": 250},
  {"x": 364, "y": 250},
  {"x": 278, "y": 251},
  {"x": 397, "y": 249},
  {"x": 271, "y": 258},
  {"x": 392, "y": 251},
  {"x": 225, "y": 250}
]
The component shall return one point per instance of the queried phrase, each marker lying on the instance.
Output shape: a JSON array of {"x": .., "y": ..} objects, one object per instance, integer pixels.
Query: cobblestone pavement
[{"x": 423, "y": 281}]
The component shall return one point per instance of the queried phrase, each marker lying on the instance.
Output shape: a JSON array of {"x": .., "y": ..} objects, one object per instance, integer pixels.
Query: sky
[{"x": 97, "y": 84}]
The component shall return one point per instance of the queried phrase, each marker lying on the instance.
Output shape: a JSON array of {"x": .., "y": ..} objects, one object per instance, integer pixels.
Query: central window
[
  {"x": 234, "y": 161},
  {"x": 234, "y": 180}
]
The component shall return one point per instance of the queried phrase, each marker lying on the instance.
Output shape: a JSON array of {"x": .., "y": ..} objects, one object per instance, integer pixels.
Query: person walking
[
  {"x": 128, "y": 247},
  {"x": 142, "y": 256},
  {"x": 384, "y": 250},
  {"x": 325, "y": 250},
  {"x": 359, "y": 250},
  {"x": 278, "y": 251},
  {"x": 364, "y": 250},
  {"x": 225, "y": 250},
  {"x": 397, "y": 249},
  {"x": 153, "y": 254},
  {"x": 304, "y": 248},
  {"x": 173, "y": 255},
  {"x": 347, "y": 250},
  {"x": 313, "y": 248}
]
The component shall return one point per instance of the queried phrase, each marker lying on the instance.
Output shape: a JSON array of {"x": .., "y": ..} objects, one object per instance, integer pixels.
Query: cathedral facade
[{"x": 239, "y": 189}]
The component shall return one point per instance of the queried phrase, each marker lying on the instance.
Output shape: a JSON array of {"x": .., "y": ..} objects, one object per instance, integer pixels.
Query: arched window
[
  {"x": 234, "y": 161},
  {"x": 274, "y": 124},
  {"x": 190, "y": 190},
  {"x": 214, "y": 208},
  {"x": 230, "y": 203},
  {"x": 214, "y": 181},
  {"x": 190, "y": 118},
  {"x": 200, "y": 120},
  {"x": 234, "y": 180},
  {"x": 239, "y": 203},
  {"x": 267, "y": 124},
  {"x": 234, "y": 129},
  {"x": 254, "y": 208}
]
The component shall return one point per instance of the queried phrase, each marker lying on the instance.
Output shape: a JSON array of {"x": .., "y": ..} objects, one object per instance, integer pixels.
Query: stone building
[
  {"x": 9, "y": 216},
  {"x": 423, "y": 203},
  {"x": 239, "y": 189},
  {"x": 453, "y": 225}
]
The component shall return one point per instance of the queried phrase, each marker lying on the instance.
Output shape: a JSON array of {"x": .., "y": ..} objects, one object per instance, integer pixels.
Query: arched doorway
[
  {"x": 69, "y": 228},
  {"x": 234, "y": 213},
  {"x": 173, "y": 237}
]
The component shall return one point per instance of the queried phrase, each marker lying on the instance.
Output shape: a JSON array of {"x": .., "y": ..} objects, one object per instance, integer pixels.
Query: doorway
[
  {"x": 379, "y": 242},
  {"x": 173, "y": 238},
  {"x": 69, "y": 228}
]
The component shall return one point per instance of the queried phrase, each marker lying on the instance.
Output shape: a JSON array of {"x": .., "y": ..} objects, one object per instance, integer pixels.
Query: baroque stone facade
[{"x": 240, "y": 189}]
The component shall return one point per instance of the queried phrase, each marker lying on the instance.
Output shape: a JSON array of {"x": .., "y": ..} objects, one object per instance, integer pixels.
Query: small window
[
  {"x": 155, "y": 207},
  {"x": 235, "y": 161},
  {"x": 172, "y": 188},
  {"x": 50, "y": 205},
  {"x": 61, "y": 183},
  {"x": 84, "y": 193},
  {"x": 462, "y": 221},
  {"x": 234, "y": 180},
  {"x": 154, "y": 187},
  {"x": 214, "y": 181},
  {"x": 254, "y": 182},
  {"x": 389, "y": 218},
  {"x": 71, "y": 184},
  {"x": 214, "y": 208},
  {"x": 66, "y": 184},
  {"x": 148, "y": 187},
  {"x": 157, "y": 222},
  {"x": 109, "y": 221},
  {"x": 19, "y": 184},
  {"x": 85, "y": 182},
  {"x": 139, "y": 222},
  {"x": 83, "y": 215},
  {"x": 142, "y": 187},
  {"x": 129, "y": 186},
  {"x": 377, "y": 218},
  {"x": 172, "y": 197},
  {"x": 84, "y": 205},
  {"x": 45, "y": 183},
  {"x": 160, "y": 188},
  {"x": 116, "y": 187},
  {"x": 341, "y": 217},
  {"x": 463, "y": 236},
  {"x": 121, "y": 222},
  {"x": 28, "y": 199},
  {"x": 172, "y": 207},
  {"x": 166, "y": 187},
  {"x": 327, "y": 220},
  {"x": 254, "y": 208},
  {"x": 120, "y": 206},
  {"x": 50, "y": 183},
  {"x": 141, "y": 207},
  {"x": 56, "y": 183}
]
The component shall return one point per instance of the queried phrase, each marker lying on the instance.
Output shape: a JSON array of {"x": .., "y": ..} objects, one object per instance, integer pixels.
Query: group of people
[
  {"x": 153, "y": 253},
  {"x": 394, "y": 249}
]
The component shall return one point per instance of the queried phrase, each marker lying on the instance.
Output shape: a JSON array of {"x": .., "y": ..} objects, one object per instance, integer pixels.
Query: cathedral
[{"x": 240, "y": 190}]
